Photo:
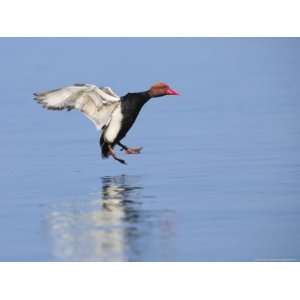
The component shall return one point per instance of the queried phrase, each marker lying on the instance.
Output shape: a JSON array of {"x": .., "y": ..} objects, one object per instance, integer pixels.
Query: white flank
[{"x": 114, "y": 125}]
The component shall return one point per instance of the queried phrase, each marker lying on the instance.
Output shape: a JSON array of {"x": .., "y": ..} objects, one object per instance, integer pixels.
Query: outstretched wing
[{"x": 96, "y": 103}]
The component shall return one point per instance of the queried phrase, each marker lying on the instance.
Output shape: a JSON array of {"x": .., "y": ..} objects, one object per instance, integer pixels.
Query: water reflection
[{"x": 105, "y": 229}]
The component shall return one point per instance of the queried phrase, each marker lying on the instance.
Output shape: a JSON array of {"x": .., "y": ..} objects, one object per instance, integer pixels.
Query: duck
[{"x": 110, "y": 113}]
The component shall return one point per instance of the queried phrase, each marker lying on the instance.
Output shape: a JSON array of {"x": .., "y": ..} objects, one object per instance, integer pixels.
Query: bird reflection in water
[{"x": 101, "y": 230}]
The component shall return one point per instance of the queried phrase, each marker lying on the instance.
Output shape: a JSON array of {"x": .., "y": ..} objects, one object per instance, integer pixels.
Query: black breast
[{"x": 131, "y": 104}]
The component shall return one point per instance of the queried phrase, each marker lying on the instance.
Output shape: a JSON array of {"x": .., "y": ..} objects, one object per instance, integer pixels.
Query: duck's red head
[{"x": 161, "y": 89}]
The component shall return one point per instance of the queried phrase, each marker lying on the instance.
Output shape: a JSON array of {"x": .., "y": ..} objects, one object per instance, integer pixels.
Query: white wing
[
  {"x": 108, "y": 90},
  {"x": 96, "y": 103}
]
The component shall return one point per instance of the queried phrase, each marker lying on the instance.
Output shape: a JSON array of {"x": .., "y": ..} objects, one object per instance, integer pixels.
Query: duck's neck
[
  {"x": 144, "y": 96},
  {"x": 132, "y": 103},
  {"x": 138, "y": 99}
]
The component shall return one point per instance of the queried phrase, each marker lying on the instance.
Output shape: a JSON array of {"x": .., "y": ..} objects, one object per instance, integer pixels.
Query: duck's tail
[{"x": 104, "y": 147}]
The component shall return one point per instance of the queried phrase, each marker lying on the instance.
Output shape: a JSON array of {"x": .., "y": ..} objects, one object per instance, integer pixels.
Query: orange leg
[
  {"x": 133, "y": 150},
  {"x": 130, "y": 150},
  {"x": 112, "y": 153}
]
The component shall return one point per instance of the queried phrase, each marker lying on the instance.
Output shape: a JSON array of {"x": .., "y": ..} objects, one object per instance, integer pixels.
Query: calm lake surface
[{"x": 219, "y": 176}]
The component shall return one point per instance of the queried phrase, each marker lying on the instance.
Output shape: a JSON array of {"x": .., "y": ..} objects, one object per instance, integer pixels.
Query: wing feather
[{"x": 97, "y": 104}]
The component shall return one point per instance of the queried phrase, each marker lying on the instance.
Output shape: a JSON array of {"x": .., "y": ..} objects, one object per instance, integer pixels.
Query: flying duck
[{"x": 110, "y": 113}]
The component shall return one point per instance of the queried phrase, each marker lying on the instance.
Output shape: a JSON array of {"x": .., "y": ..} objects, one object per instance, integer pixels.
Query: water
[{"x": 218, "y": 179}]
